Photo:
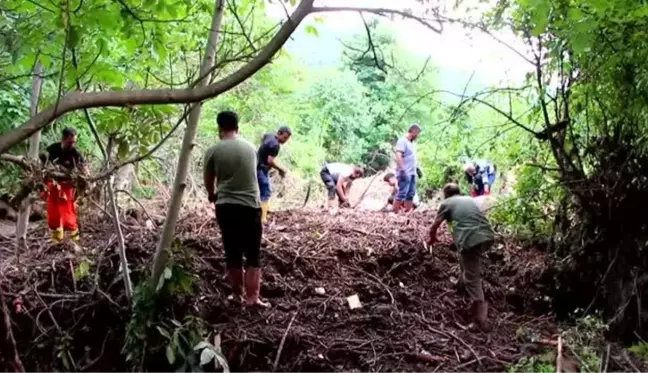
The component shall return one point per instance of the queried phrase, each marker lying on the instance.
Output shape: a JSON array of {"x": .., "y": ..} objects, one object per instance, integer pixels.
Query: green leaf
[
  {"x": 170, "y": 355},
  {"x": 540, "y": 18},
  {"x": 82, "y": 270},
  {"x": 207, "y": 355},
  {"x": 201, "y": 345},
  {"x": 123, "y": 149},
  {"x": 222, "y": 362},
  {"x": 165, "y": 276},
  {"x": 310, "y": 29},
  {"x": 293, "y": 2},
  {"x": 580, "y": 42},
  {"x": 74, "y": 37},
  {"x": 164, "y": 333}
]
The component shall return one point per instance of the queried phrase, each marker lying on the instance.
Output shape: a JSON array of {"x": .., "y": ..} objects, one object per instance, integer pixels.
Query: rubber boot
[
  {"x": 57, "y": 236},
  {"x": 479, "y": 316},
  {"x": 236, "y": 277},
  {"x": 253, "y": 288},
  {"x": 75, "y": 236},
  {"x": 265, "y": 206}
]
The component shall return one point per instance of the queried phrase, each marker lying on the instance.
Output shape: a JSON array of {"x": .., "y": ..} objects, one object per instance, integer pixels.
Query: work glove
[
  {"x": 345, "y": 204},
  {"x": 402, "y": 173},
  {"x": 419, "y": 173},
  {"x": 282, "y": 173},
  {"x": 212, "y": 198},
  {"x": 473, "y": 193}
]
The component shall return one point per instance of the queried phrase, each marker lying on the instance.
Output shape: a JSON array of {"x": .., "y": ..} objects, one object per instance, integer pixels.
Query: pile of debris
[{"x": 351, "y": 292}]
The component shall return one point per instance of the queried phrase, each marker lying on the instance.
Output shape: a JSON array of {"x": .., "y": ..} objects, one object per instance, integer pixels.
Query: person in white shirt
[{"x": 338, "y": 178}]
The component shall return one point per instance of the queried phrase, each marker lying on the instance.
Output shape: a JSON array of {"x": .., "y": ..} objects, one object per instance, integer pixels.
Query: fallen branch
[
  {"x": 456, "y": 338},
  {"x": 8, "y": 341},
  {"x": 136, "y": 201},
  {"x": 283, "y": 340}
]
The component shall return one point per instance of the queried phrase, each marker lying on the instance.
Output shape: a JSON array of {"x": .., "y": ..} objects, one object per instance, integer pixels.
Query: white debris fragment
[
  {"x": 354, "y": 302},
  {"x": 320, "y": 291}
]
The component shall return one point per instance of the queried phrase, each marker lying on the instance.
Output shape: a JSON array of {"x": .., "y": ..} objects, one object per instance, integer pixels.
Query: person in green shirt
[
  {"x": 231, "y": 181},
  {"x": 473, "y": 236}
]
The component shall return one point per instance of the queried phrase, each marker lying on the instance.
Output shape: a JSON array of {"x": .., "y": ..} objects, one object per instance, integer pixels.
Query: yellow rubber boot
[
  {"x": 265, "y": 206},
  {"x": 75, "y": 236},
  {"x": 57, "y": 236}
]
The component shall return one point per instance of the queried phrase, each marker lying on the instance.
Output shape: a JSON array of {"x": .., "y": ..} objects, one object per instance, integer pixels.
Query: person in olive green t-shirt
[
  {"x": 473, "y": 236},
  {"x": 231, "y": 165}
]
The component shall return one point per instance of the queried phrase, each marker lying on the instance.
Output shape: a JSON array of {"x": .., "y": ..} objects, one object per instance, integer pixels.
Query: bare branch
[
  {"x": 17, "y": 159},
  {"x": 380, "y": 65},
  {"x": 232, "y": 7},
  {"x": 104, "y": 174},
  {"x": 384, "y": 12},
  {"x": 485, "y": 30}
]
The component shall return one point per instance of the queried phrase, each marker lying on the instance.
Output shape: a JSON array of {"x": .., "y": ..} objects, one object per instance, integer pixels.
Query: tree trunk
[
  {"x": 34, "y": 145},
  {"x": 120, "y": 240},
  {"x": 124, "y": 177},
  {"x": 179, "y": 183}
]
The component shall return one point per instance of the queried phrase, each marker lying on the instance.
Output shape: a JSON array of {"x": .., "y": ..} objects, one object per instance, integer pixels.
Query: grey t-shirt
[
  {"x": 234, "y": 162},
  {"x": 405, "y": 146},
  {"x": 468, "y": 224}
]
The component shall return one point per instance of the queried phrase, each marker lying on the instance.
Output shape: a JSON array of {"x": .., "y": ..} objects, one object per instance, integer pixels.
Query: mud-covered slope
[{"x": 412, "y": 316}]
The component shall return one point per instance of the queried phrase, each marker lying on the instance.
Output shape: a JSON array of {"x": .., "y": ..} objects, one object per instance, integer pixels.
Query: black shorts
[
  {"x": 241, "y": 230},
  {"x": 329, "y": 181}
]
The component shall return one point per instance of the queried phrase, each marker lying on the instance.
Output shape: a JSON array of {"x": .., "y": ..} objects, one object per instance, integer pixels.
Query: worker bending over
[
  {"x": 267, "y": 154},
  {"x": 473, "y": 236},
  {"x": 338, "y": 178},
  {"x": 61, "y": 193},
  {"x": 232, "y": 164},
  {"x": 481, "y": 177},
  {"x": 406, "y": 169}
]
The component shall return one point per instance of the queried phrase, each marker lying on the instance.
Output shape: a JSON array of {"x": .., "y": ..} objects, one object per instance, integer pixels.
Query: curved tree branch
[
  {"x": 384, "y": 12},
  {"x": 79, "y": 100},
  {"x": 85, "y": 100}
]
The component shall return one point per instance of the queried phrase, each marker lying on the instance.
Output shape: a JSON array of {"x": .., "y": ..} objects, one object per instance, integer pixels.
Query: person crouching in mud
[
  {"x": 338, "y": 178},
  {"x": 473, "y": 236},
  {"x": 392, "y": 181}
]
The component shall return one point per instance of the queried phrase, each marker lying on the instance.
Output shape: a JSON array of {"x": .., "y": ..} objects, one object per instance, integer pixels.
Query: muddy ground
[{"x": 412, "y": 317}]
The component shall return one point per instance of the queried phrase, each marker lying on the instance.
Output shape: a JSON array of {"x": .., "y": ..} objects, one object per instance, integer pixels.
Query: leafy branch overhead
[{"x": 152, "y": 43}]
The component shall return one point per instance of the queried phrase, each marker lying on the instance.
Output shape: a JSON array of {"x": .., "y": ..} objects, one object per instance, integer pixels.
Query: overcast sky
[{"x": 457, "y": 52}]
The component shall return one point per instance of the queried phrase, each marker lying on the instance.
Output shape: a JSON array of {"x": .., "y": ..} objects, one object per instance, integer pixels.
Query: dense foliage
[{"x": 573, "y": 136}]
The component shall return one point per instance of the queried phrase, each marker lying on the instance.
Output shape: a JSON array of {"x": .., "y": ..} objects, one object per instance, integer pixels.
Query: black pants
[
  {"x": 241, "y": 230},
  {"x": 329, "y": 181}
]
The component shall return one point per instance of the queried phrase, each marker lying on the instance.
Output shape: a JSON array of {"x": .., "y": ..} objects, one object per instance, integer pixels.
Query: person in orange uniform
[{"x": 60, "y": 193}]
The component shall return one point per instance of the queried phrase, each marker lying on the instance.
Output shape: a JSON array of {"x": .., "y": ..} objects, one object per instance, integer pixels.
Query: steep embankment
[{"x": 412, "y": 316}]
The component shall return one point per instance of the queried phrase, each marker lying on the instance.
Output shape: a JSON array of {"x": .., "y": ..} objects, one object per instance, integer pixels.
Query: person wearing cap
[
  {"x": 480, "y": 175},
  {"x": 473, "y": 236},
  {"x": 267, "y": 154},
  {"x": 338, "y": 179},
  {"x": 406, "y": 165}
]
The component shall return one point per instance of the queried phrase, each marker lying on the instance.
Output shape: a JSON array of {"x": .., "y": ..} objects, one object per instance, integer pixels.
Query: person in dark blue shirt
[
  {"x": 266, "y": 159},
  {"x": 481, "y": 176}
]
